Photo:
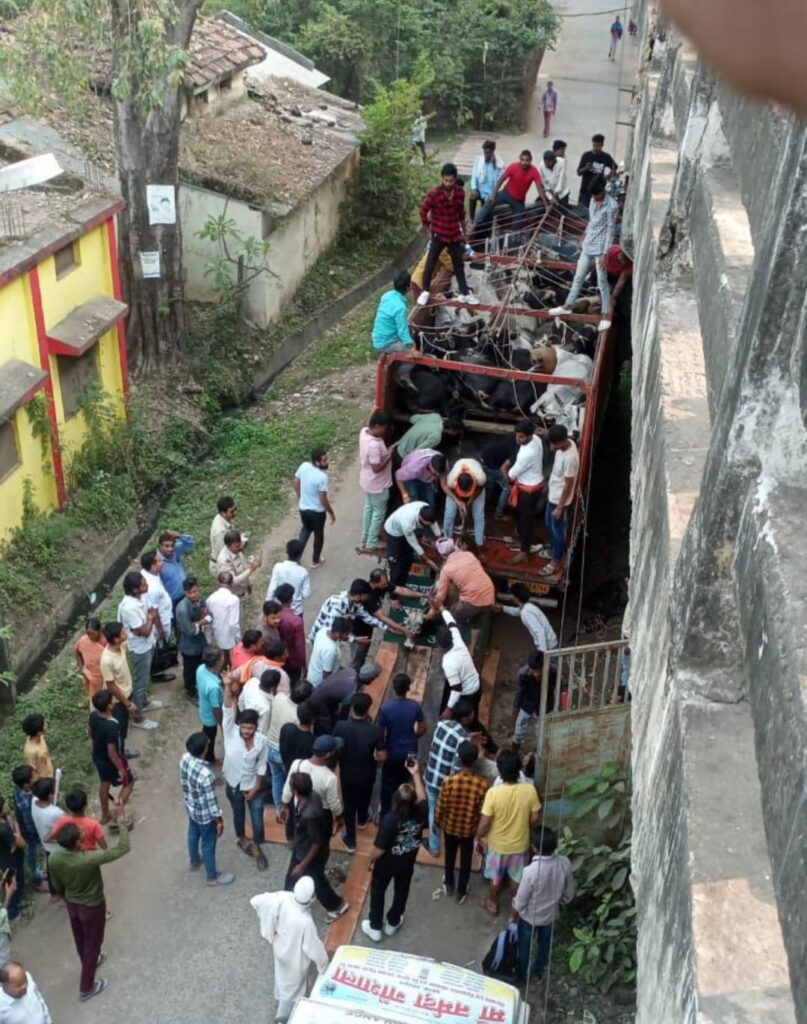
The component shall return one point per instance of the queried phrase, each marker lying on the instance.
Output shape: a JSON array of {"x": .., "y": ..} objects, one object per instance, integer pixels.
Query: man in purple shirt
[{"x": 419, "y": 473}]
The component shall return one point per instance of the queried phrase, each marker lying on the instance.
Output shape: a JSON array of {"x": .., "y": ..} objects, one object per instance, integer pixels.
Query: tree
[{"x": 138, "y": 50}]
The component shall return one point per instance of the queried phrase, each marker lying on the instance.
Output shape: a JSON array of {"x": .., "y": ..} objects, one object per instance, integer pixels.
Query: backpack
[{"x": 501, "y": 960}]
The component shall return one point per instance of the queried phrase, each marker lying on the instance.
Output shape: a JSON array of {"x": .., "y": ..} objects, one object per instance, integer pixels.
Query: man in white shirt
[
  {"x": 290, "y": 571},
  {"x": 157, "y": 597},
  {"x": 287, "y": 925},
  {"x": 244, "y": 773},
  {"x": 311, "y": 487},
  {"x": 562, "y": 480},
  {"x": 222, "y": 522},
  {"x": 138, "y": 620},
  {"x": 553, "y": 171},
  {"x": 462, "y": 677},
  {"x": 402, "y": 542},
  {"x": 21, "y": 1001},
  {"x": 326, "y": 654},
  {"x": 320, "y": 766},
  {"x": 225, "y": 609},
  {"x": 527, "y": 475},
  {"x": 258, "y": 695},
  {"x": 284, "y": 710},
  {"x": 532, "y": 618}
]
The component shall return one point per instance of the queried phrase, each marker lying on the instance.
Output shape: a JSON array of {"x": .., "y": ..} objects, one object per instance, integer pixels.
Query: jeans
[
  {"x": 436, "y": 246},
  {"x": 32, "y": 849},
  {"x": 543, "y": 936},
  {"x": 255, "y": 805},
  {"x": 356, "y": 797},
  {"x": 204, "y": 835},
  {"x": 88, "y": 924},
  {"x": 432, "y": 793},
  {"x": 496, "y": 479},
  {"x": 386, "y": 870},
  {"x": 502, "y": 198},
  {"x": 395, "y": 346},
  {"x": 584, "y": 265},
  {"x": 141, "y": 674},
  {"x": 275, "y": 764},
  {"x": 313, "y": 522},
  {"x": 557, "y": 531},
  {"x": 477, "y": 515},
  {"x": 465, "y": 845},
  {"x": 420, "y": 490},
  {"x": 375, "y": 510},
  {"x": 325, "y": 892},
  {"x": 523, "y": 719}
]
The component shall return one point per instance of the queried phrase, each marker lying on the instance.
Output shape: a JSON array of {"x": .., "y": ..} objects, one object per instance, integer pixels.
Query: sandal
[
  {"x": 247, "y": 848},
  {"x": 97, "y": 988},
  {"x": 548, "y": 570}
]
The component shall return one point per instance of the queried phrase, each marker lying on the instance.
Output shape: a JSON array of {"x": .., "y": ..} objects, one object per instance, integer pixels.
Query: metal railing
[{"x": 583, "y": 678}]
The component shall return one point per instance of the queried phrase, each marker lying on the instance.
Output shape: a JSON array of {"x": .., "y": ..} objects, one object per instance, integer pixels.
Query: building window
[
  {"x": 225, "y": 85},
  {"x": 66, "y": 259},
  {"x": 76, "y": 376},
  {"x": 9, "y": 453}
]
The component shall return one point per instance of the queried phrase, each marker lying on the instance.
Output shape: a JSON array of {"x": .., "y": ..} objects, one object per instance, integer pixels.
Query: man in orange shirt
[
  {"x": 89, "y": 648},
  {"x": 92, "y": 831},
  {"x": 465, "y": 492},
  {"x": 463, "y": 570}
]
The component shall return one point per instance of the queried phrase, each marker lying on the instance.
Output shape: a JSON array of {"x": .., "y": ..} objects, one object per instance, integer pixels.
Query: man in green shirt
[
  {"x": 426, "y": 431},
  {"x": 75, "y": 874}
]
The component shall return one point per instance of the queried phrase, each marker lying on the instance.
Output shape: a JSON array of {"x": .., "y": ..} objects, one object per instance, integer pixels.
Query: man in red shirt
[
  {"x": 292, "y": 632},
  {"x": 512, "y": 188},
  {"x": 443, "y": 218},
  {"x": 619, "y": 267}
]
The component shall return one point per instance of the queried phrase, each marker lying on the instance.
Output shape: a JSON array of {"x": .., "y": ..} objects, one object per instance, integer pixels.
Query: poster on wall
[
  {"x": 150, "y": 264},
  {"x": 162, "y": 206}
]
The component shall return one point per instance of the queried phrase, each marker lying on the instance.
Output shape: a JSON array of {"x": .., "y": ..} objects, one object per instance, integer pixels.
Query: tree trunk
[{"x": 147, "y": 150}]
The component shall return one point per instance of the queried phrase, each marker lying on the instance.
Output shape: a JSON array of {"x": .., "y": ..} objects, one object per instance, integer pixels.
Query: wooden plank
[
  {"x": 490, "y": 668},
  {"x": 386, "y": 657},
  {"x": 354, "y": 891},
  {"x": 417, "y": 667}
]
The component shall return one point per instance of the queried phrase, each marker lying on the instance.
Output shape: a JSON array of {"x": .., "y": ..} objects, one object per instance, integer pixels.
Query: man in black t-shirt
[
  {"x": 363, "y": 749},
  {"x": 394, "y": 852},
  {"x": 108, "y": 754},
  {"x": 311, "y": 847},
  {"x": 594, "y": 163}
]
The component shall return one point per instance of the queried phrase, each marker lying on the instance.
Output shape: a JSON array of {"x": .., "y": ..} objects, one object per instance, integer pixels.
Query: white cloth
[
  {"x": 290, "y": 930},
  {"x": 404, "y": 521},
  {"x": 566, "y": 465},
  {"x": 30, "y": 1009},
  {"x": 133, "y": 612},
  {"x": 295, "y": 574},
  {"x": 555, "y": 179},
  {"x": 242, "y": 765},
  {"x": 458, "y": 666},
  {"x": 537, "y": 625},
  {"x": 470, "y": 466},
  {"x": 528, "y": 468},
  {"x": 325, "y": 657},
  {"x": 323, "y": 780},
  {"x": 218, "y": 528},
  {"x": 253, "y": 698},
  {"x": 44, "y": 820},
  {"x": 225, "y": 608},
  {"x": 575, "y": 366},
  {"x": 158, "y": 597}
]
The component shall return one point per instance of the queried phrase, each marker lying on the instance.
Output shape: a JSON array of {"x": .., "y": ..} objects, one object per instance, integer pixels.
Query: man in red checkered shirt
[{"x": 443, "y": 218}]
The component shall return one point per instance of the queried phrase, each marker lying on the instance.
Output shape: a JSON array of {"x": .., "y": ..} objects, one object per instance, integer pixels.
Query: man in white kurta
[{"x": 286, "y": 923}]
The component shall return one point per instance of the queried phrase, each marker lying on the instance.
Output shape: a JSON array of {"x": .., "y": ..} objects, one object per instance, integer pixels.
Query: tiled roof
[{"x": 218, "y": 51}]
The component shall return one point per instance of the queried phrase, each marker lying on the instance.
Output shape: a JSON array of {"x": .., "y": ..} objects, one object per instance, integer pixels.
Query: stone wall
[{"x": 717, "y": 221}]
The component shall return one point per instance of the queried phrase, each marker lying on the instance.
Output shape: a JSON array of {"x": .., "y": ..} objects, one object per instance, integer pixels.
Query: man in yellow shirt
[
  {"x": 35, "y": 749},
  {"x": 509, "y": 813}
]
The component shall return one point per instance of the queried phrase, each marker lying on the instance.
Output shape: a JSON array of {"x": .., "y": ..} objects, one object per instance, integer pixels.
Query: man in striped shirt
[
  {"x": 443, "y": 218},
  {"x": 596, "y": 243},
  {"x": 205, "y": 817}
]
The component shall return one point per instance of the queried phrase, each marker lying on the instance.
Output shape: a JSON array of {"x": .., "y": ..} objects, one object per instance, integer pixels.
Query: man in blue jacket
[{"x": 391, "y": 325}]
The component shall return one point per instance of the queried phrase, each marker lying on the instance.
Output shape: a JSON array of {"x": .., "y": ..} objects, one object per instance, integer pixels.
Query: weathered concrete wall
[
  {"x": 295, "y": 240},
  {"x": 717, "y": 219}
]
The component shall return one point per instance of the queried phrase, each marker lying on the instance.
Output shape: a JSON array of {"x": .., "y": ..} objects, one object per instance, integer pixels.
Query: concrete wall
[
  {"x": 295, "y": 241},
  {"x": 718, "y": 552}
]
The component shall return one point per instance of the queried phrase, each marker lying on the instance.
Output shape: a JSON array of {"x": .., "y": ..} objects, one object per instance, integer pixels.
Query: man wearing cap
[
  {"x": 285, "y": 921},
  {"x": 311, "y": 845},
  {"x": 484, "y": 175},
  {"x": 331, "y": 699},
  {"x": 463, "y": 572},
  {"x": 562, "y": 479}
]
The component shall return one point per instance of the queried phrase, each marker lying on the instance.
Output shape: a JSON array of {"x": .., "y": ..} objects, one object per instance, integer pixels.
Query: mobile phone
[{"x": 411, "y": 760}]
